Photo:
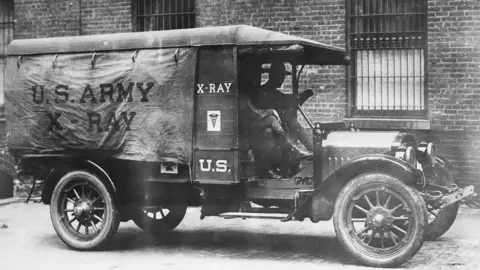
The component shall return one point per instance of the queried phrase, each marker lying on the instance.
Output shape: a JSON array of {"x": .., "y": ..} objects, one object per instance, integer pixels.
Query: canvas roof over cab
[{"x": 239, "y": 35}]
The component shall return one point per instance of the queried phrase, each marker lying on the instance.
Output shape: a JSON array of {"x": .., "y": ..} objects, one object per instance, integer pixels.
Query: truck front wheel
[
  {"x": 380, "y": 220},
  {"x": 83, "y": 211}
]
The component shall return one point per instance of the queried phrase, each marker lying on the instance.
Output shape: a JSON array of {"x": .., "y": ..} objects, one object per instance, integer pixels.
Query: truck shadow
[{"x": 236, "y": 244}]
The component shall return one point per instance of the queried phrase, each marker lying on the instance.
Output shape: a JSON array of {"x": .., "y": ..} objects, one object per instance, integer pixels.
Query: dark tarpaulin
[{"x": 96, "y": 115}]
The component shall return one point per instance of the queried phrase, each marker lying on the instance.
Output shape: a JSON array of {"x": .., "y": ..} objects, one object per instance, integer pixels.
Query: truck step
[{"x": 244, "y": 215}]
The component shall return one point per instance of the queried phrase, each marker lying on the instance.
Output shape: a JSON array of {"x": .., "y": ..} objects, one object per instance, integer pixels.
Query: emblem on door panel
[{"x": 214, "y": 121}]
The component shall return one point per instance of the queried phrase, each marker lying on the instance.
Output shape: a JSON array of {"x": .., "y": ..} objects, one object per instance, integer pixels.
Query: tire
[
  {"x": 439, "y": 225},
  {"x": 386, "y": 198},
  {"x": 90, "y": 205},
  {"x": 158, "y": 221}
]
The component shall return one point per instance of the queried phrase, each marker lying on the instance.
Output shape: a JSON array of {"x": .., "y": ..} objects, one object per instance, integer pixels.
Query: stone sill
[{"x": 388, "y": 123}]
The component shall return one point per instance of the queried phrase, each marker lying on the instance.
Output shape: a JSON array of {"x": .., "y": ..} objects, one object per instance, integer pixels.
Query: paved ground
[{"x": 30, "y": 242}]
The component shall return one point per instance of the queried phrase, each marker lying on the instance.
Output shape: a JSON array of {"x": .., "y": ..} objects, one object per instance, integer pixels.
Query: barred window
[
  {"x": 388, "y": 42},
  {"x": 6, "y": 35},
  {"x": 151, "y": 15}
]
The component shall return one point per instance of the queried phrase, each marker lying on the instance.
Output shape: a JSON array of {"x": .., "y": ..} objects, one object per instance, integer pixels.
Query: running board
[{"x": 245, "y": 215}]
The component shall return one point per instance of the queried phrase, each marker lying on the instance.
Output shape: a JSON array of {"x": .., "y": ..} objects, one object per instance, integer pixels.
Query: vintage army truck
[{"x": 140, "y": 126}]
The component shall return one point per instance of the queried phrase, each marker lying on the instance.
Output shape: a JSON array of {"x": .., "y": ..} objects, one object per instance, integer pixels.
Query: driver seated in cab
[
  {"x": 268, "y": 96},
  {"x": 263, "y": 129}
]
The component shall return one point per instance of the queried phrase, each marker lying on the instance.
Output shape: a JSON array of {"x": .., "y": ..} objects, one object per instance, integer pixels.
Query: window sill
[{"x": 388, "y": 123}]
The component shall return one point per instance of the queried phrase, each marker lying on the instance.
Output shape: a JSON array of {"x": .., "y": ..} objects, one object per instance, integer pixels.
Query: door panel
[{"x": 215, "y": 155}]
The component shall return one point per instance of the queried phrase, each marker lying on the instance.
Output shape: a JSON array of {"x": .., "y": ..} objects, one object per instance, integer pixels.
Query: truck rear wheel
[
  {"x": 380, "y": 220},
  {"x": 83, "y": 211},
  {"x": 159, "y": 220}
]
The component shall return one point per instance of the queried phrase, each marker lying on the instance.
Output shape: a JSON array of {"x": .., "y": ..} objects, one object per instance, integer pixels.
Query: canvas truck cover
[{"x": 134, "y": 105}]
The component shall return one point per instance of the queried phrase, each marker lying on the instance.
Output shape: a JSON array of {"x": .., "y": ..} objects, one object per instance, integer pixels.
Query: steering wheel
[{"x": 296, "y": 103}]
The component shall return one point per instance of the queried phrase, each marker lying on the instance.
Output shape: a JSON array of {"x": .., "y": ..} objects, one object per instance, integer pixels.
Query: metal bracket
[
  {"x": 93, "y": 60},
  {"x": 457, "y": 195},
  {"x": 19, "y": 59},
  {"x": 54, "y": 60},
  {"x": 176, "y": 53},
  {"x": 134, "y": 56}
]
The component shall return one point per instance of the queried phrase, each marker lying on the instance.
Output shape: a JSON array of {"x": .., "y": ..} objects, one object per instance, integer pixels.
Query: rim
[
  {"x": 432, "y": 214},
  {"x": 82, "y": 210},
  {"x": 156, "y": 213},
  {"x": 379, "y": 220}
]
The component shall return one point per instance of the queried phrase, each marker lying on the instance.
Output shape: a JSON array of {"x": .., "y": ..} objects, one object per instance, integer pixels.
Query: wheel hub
[
  {"x": 379, "y": 219},
  {"x": 83, "y": 208}
]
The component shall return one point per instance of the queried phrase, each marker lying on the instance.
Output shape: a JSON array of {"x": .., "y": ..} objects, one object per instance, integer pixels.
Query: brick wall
[
  {"x": 51, "y": 18},
  {"x": 454, "y": 83},
  {"x": 323, "y": 21},
  {"x": 106, "y": 16}
]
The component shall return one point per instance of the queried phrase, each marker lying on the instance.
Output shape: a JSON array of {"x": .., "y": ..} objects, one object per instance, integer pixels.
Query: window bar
[
  {"x": 170, "y": 17},
  {"x": 365, "y": 20},
  {"x": 176, "y": 16},
  {"x": 401, "y": 79},
  {"x": 381, "y": 80},
  {"x": 3, "y": 28},
  {"x": 408, "y": 81},
  {"x": 155, "y": 15},
  {"x": 371, "y": 11},
  {"x": 359, "y": 75},
  {"x": 363, "y": 78},
  {"x": 144, "y": 15},
  {"x": 151, "y": 16},
  {"x": 414, "y": 81},
  {"x": 167, "y": 15},
  {"x": 190, "y": 19},
  {"x": 157, "y": 18},
  {"x": 405, "y": 17},
  {"x": 159, "y": 11},
  {"x": 394, "y": 79},
  {"x": 388, "y": 79},
  {"x": 182, "y": 21},
  {"x": 374, "y": 78},
  {"x": 188, "y": 9},
  {"x": 380, "y": 15},
  {"x": 139, "y": 13},
  {"x": 424, "y": 81},
  {"x": 357, "y": 20},
  {"x": 137, "y": 20},
  {"x": 409, "y": 43},
  {"x": 369, "y": 79},
  {"x": 376, "y": 8},
  {"x": 164, "y": 10}
]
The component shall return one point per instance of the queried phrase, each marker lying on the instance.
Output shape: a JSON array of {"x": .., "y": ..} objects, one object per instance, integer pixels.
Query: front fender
[
  {"x": 379, "y": 163},
  {"x": 326, "y": 193}
]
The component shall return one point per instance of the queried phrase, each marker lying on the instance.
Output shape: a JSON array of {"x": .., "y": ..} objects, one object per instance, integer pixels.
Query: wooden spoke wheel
[
  {"x": 159, "y": 220},
  {"x": 83, "y": 211},
  {"x": 380, "y": 220}
]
